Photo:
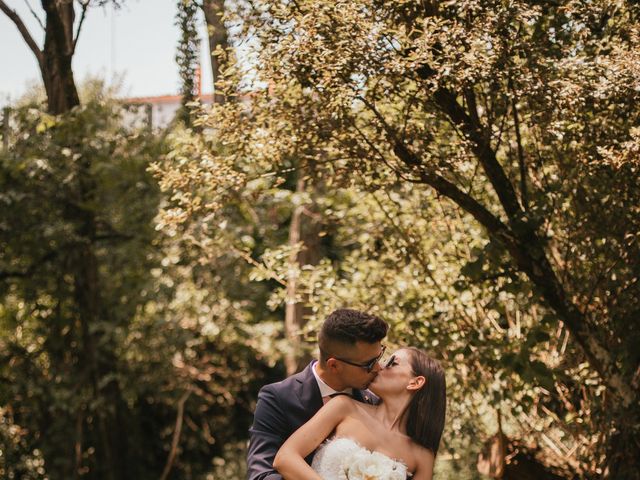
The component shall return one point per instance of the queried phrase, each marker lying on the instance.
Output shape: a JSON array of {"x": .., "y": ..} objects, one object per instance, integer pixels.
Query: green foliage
[
  {"x": 106, "y": 325},
  {"x": 188, "y": 54},
  {"x": 76, "y": 195},
  {"x": 17, "y": 460},
  {"x": 476, "y": 169}
]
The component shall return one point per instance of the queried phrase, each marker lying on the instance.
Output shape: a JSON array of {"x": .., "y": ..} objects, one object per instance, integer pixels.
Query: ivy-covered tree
[
  {"x": 219, "y": 51},
  {"x": 187, "y": 56}
]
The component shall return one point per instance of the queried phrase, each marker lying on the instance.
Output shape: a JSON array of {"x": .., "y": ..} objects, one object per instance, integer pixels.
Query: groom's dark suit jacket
[{"x": 281, "y": 409}]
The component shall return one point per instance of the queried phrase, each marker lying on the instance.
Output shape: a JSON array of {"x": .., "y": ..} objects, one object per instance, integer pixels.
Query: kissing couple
[{"x": 349, "y": 415}]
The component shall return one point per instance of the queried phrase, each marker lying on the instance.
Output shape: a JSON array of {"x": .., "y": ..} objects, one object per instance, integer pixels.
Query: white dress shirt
[{"x": 325, "y": 390}]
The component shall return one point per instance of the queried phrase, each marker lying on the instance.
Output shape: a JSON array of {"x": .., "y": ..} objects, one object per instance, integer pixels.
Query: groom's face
[{"x": 362, "y": 353}]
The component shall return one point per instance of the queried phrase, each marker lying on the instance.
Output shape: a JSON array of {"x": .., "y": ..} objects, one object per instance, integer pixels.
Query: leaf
[{"x": 46, "y": 122}]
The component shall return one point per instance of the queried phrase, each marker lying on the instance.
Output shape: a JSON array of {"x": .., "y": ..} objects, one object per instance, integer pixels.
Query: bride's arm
[
  {"x": 290, "y": 458},
  {"x": 424, "y": 469}
]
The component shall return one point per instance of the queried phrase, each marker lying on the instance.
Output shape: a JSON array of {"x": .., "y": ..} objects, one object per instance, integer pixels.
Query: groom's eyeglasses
[{"x": 368, "y": 366}]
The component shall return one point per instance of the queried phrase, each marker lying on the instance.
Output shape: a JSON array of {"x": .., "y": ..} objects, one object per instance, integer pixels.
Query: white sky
[{"x": 136, "y": 43}]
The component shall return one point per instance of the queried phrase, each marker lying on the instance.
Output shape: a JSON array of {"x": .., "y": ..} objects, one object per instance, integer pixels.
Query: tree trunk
[
  {"x": 55, "y": 63},
  {"x": 55, "y": 59},
  {"x": 217, "y": 32},
  {"x": 99, "y": 361},
  {"x": 87, "y": 299},
  {"x": 303, "y": 228},
  {"x": 508, "y": 460}
]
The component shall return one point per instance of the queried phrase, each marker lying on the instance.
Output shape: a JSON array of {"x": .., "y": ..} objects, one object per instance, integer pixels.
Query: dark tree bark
[
  {"x": 54, "y": 59},
  {"x": 59, "y": 46},
  {"x": 97, "y": 351},
  {"x": 218, "y": 37}
]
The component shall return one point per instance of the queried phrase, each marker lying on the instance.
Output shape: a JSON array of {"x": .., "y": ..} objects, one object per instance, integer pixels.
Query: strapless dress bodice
[{"x": 346, "y": 459}]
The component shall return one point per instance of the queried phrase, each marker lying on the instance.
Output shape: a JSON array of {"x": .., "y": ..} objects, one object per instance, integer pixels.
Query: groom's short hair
[{"x": 348, "y": 326}]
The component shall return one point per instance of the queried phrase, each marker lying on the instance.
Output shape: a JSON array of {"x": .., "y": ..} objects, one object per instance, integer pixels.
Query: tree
[
  {"x": 71, "y": 205},
  {"x": 520, "y": 115},
  {"x": 305, "y": 251},
  {"x": 56, "y": 55},
  {"x": 162, "y": 379},
  {"x": 70, "y": 280},
  {"x": 116, "y": 361},
  {"x": 188, "y": 56},
  {"x": 214, "y": 12}
]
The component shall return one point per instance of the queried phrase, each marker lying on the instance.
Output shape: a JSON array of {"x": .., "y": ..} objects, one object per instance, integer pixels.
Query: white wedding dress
[{"x": 345, "y": 459}]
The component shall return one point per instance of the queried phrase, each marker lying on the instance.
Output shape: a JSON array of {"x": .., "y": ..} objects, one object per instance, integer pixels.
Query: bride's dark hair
[{"x": 426, "y": 411}]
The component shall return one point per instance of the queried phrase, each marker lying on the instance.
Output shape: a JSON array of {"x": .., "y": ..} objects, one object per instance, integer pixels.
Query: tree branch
[
  {"x": 443, "y": 186},
  {"x": 34, "y": 14},
  {"x": 85, "y": 5},
  {"x": 32, "y": 268},
  {"x": 472, "y": 130},
  {"x": 176, "y": 436},
  {"x": 521, "y": 161},
  {"x": 15, "y": 18},
  {"x": 448, "y": 103},
  {"x": 495, "y": 227}
]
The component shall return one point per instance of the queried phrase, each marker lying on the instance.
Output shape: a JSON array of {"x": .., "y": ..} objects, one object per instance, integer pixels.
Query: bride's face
[{"x": 395, "y": 376}]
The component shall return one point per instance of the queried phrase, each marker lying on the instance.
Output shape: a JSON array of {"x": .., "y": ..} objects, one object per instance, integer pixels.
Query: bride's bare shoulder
[
  {"x": 351, "y": 407},
  {"x": 425, "y": 459},
  {"x": 421, "y": 451},
  {"x": 341, "y": 402}
]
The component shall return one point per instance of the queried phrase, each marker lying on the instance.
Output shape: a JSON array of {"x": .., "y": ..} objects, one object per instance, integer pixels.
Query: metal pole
[{"x": 6, "y": 128}]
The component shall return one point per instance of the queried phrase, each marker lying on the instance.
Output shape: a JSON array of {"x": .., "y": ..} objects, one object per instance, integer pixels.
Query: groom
[{"x": 350, "y": 349}]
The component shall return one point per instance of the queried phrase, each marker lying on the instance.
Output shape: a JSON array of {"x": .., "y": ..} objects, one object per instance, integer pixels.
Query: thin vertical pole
[{"x": 6, "y": 128}]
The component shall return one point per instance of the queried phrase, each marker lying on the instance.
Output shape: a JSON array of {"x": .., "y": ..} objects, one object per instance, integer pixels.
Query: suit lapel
[
  {"x": 365, "y": 396},
  {"x": 308, "y": 391},
  {"x": 358, "y": 395}
]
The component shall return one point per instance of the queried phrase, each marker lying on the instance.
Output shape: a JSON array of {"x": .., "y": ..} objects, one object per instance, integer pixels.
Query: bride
[{"x": 396, "y": 438}]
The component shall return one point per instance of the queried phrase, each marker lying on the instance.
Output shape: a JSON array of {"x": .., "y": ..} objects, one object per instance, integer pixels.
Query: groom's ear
[
  {"x": 416, "y": 383},
  {"x": 332, "y": 364}
]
